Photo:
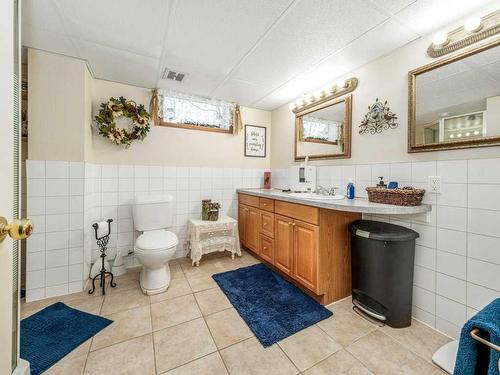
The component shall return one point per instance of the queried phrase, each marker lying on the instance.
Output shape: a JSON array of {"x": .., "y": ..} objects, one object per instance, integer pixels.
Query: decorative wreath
[{"x": 115, "y": 108}]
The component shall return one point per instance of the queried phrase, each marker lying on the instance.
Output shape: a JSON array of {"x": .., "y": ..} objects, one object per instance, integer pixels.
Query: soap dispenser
[{"x": 381, "y": 183}]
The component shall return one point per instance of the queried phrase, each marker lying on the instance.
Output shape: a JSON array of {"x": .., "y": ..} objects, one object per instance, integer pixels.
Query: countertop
[{"x": 351, "y": 205}]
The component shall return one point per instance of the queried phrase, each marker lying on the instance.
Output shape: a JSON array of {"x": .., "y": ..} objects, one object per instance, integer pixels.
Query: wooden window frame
[{"x": 195, "y": 127}]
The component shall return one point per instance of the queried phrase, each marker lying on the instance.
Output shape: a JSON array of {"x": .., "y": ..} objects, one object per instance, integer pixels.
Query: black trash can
[{"x": 382, "y": 256}]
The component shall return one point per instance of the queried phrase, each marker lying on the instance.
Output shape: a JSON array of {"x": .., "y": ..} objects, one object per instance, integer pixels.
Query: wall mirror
[
  {"x": 323, "y": 130},
  {"x": 455, "y": 103}
]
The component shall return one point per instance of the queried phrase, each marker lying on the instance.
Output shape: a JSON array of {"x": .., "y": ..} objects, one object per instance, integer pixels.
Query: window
[{"x": 194, "y": 112}]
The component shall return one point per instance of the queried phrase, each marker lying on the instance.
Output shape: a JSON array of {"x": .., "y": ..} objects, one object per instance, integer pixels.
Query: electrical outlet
[{"x": 435, "y": 184}]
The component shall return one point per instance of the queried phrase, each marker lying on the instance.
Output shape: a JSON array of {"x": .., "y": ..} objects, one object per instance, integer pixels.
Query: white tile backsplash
[
  {"x": 452, "y": 171},
  {"x": 484, "y": 171},
  {"x": 56, "y": 169}
]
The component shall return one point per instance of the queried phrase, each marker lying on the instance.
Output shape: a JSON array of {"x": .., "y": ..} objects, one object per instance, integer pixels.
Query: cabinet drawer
[
  {"x": 297, "y": 211},
  {"x": 267, "y": 223},
  {"x": 266, "y": 204},
  {"x": 249, "y": 200},
  {"x": 266, "y": 248}
]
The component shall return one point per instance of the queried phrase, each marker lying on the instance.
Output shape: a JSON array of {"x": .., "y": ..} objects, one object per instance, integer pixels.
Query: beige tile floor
[{"x": 193, "y": 329}]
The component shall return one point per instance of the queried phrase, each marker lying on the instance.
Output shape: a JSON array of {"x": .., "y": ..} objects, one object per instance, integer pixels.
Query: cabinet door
[
  {"x": 266, "y": 246},
  {"x": 242, "y": 222},
  {"x": 267, "y": 223},
  {"x": 283, "y": 241},
  {"x": 252, "y": 229},
  {"x": 305, "y": 254}
]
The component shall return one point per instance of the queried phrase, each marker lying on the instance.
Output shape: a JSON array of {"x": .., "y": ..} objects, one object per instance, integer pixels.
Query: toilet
[{"x": 153, "y": 214}]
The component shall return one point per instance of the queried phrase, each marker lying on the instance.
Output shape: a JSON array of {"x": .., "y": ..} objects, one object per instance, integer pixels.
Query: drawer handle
[
  {"x": 265, "y": 247},
  {"x": 264, "y": 204},
  {"x": 290, "y": 223},
  {"x": 264, "y": 224},
  {"x": 294, "y": 224}
]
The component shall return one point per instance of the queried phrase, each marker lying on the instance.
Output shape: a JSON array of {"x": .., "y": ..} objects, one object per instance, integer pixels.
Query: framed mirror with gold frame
[
  {"x": 323, "y": 130},
  {"x": 454, "y": 103}
]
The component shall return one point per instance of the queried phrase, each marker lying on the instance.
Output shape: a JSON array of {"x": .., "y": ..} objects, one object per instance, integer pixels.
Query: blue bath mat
[
  {"x": 272, "y": 307},
  {"x": 55, "y": 331}
]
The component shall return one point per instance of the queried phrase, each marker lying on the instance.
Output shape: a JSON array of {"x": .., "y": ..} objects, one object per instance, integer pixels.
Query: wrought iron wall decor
[{"x": 379, "y": 117}]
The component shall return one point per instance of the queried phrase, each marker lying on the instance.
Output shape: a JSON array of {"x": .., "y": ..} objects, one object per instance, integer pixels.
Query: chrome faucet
[{"x": 320, "y": 190}]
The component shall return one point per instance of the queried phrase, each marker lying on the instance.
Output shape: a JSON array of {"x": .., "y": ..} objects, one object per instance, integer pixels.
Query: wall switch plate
[{"x": 435, "y": 184}]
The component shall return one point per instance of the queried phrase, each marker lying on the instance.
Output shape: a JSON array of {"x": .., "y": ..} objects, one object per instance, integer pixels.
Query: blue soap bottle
[{"x": 350, "y": 189}]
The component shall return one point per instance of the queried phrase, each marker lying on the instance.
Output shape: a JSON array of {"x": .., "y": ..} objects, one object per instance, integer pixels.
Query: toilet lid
[{"x": 156, "y": 239}]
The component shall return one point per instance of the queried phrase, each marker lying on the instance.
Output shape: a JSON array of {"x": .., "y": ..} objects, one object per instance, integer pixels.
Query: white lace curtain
[
  {"x": 317, "y": 128},
  {"x": 195, "y": 110}
]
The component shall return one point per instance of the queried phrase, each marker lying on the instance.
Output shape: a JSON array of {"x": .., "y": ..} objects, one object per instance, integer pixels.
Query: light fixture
[
  {"x": 473, "y": 24},
  {"x": 452, "y": 136},
  {"x": 467, "y": 134},
  {"x": 476, "y": 132},
  {"x": 440, "y": 39},
  {"x": 459, "y": 135}
]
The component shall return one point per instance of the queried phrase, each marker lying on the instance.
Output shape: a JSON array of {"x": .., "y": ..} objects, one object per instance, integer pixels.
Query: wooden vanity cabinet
[
  {"x": 283, "y": 237},
  {"x": 308, "y": 245},
  {"x": 249, "y": 219},
  {"x": 305, "y": 254}
]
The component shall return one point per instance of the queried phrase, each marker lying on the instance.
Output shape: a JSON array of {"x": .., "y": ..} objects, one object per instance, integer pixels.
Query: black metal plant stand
[{"x": 102, "y": 242}]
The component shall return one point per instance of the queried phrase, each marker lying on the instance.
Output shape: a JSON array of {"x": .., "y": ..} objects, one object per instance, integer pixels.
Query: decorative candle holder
[
  {"x": 213, "y": 213},
  {"x": 102, "y": 242},
  {"x": 205, "y": 208}
]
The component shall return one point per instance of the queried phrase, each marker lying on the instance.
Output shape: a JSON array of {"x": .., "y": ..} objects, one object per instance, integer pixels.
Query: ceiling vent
[{"x": 173, "y": 75}]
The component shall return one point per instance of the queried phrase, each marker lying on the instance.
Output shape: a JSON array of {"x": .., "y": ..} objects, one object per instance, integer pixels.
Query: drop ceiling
[{"x": 259, "y": 53}]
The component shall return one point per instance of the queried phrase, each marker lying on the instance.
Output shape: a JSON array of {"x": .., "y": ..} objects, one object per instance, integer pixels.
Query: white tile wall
[
  {"x": 457, "y": 257},
  {"x": 65, "y": 198}
]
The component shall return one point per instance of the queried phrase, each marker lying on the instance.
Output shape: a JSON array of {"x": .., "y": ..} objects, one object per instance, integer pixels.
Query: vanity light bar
[
  {"x": 330, "y": 92},
  {"x": 474, "y": 30}
]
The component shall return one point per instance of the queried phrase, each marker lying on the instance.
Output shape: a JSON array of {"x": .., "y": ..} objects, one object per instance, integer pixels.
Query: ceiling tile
[
  {"x": 307, "y": 35},
  {"x": 129, "y": 25},
  {"x": 377, "y": 42},
  {"x": 425, "y": 16},
  {"x": 120, "y": 66},
  {"x": 196, "y": 82},
  {"x": 47, "y": 40},
  {"x": 240, "y": 92},
  {"x": 43, "y": 14},
  {"x": 393, "y": 6},
  {"x": 213, "y": 36}
]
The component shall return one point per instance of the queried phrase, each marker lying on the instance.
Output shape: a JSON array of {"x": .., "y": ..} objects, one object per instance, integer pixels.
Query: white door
[{"x": 8, "y": 293}]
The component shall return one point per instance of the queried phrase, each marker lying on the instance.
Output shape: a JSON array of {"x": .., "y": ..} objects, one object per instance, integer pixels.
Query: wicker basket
[{"x": 407, "y": 196}]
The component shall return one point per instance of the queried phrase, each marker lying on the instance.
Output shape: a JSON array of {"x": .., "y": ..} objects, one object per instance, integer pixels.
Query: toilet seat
[{"x": 156, "y": 240}]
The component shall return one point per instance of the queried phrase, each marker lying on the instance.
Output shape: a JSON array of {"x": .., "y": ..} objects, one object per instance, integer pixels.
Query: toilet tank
[{"x": 153, "y": 211}]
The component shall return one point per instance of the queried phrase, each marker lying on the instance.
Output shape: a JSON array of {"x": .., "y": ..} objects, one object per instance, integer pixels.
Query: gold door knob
[{"x": 17, "y": 230}]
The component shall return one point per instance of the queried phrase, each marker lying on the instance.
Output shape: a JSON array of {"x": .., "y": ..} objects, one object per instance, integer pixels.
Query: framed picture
[{"x": 255, "y": 141}]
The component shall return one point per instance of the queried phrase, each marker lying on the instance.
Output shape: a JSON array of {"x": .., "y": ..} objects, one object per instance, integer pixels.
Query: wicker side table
[{"x": 204, "y": 237}]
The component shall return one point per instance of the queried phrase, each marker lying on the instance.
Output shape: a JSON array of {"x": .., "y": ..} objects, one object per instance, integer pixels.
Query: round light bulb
[
  {"x": 459, "y": 135},
  {"x": 319, "y": 94},
  {"x": 476, "y": 132},
  {"x": 452, "y": 136},
  {"x": 440, "y": 39},
  {"x": 467, "y": 134},
  {"x": 340, "y": 84},
  {"x": 472, "y": 24}
]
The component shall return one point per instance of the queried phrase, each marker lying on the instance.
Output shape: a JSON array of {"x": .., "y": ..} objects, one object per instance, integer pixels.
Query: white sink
[{"x": 316, "y": 196}]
